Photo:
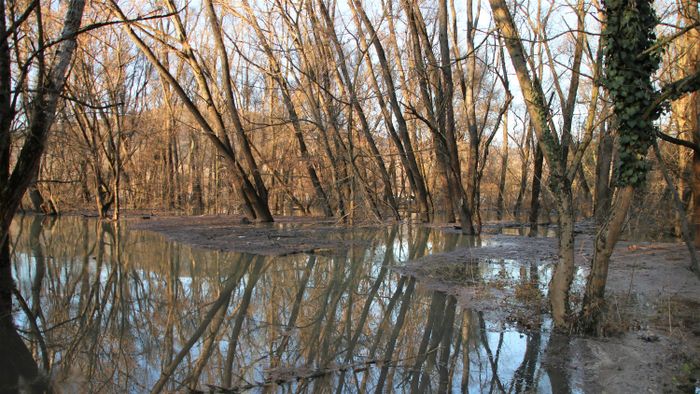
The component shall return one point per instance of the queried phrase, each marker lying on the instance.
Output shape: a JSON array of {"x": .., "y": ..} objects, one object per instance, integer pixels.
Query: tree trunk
[
  {"x": 564, "y": 270},
  {"x": 605, "y": 240},
  {"x": 116, "y": 182},
  {"x": 602, "y": 183},
  {"x": 196, "y": 200},
  {"x": 443, "y": 210},
  {"x": 552, "y": 149},
  {"x": 536, "y": 188},
  {"x": 472, "y": 187},
  {"x": 17, "y": 361},
  {"x": 585, "y": 193},
  {"x": 38, "y": 203},
  {"x": 525, "y": 160},
  {"x": 462, "y": 202},
  {"x": 103, "y": 198},
  {"x": 500, "y": 203}
]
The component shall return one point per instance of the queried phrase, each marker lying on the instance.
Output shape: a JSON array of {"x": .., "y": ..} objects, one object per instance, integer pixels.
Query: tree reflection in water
[{"x": 108, "y": 309}]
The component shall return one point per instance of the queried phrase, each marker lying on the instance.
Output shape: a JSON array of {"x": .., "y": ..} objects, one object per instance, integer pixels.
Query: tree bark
[
  {"x": 594, "y": 297},
  {"x": 500, "y": 203},
  {"x": 472, "y": 186},
  {"x": 463, "y": 203},
  {"x": 536, "y": 189},
  {"x": 603, "y": 190},
  {"x": 563, "y": 273},
  {"x": 524, "y": 164}
]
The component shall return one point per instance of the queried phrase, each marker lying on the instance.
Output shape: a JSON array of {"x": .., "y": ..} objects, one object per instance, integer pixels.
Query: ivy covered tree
[
  {"x": 632, "y": 57},
  {"x": 630, "y": 62}
]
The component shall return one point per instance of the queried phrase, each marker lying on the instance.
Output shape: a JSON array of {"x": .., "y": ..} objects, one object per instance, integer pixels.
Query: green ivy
[{"x": 628, "y": 34}]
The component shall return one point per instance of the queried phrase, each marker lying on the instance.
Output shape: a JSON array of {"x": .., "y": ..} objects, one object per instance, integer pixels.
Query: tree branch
[
  {"x": 677, "y": 141},
  {"x": 674, "y": 91}
]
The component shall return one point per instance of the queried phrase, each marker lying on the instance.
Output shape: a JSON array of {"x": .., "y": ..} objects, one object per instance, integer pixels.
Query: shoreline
[{"x": 651, "y": 346}]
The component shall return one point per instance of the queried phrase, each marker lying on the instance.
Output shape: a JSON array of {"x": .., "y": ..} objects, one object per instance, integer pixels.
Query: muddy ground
[
  {"x": 287, "y": 235},
  {"x": 651, "y": 336},
  {"x": 651, "y": 339}
]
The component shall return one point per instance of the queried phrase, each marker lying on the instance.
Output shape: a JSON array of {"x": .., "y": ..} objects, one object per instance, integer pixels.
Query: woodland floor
[{"x": 651, "y": 339}]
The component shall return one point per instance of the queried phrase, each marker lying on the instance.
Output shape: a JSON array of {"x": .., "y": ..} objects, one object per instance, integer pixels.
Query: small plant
[
  {"x": 528, "y": 292},
  {"x": 688, "y": 380}
]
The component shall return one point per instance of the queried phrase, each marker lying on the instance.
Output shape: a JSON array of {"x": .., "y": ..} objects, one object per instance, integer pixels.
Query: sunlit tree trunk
[
  {"x": 524, "y": 164},
  {"x": 500, "y": 202},
  {"x": 686, "y": 110},
  {"x": 552, "y": 151}
]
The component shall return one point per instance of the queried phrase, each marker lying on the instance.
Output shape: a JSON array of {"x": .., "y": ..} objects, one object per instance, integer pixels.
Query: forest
[{"x": 379, "y": 163}]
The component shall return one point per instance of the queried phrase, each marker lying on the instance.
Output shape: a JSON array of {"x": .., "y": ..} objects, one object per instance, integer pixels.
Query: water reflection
[
  {"x": 539, "y": 231},
  {"x": 117, "y": 310}
]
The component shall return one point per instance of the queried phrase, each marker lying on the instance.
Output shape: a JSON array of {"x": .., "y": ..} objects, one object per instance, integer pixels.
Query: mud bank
[{"x": 288, "y": 235}]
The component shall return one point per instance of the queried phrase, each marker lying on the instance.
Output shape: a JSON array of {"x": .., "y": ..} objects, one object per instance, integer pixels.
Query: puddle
[{"x": 129, "y": 311}]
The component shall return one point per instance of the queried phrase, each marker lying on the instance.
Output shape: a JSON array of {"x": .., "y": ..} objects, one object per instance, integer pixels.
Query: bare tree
[
  {"x": 399, "y": 131},
  {"x": 252, "y": 193},
  {"x": 555, "y": 147}
]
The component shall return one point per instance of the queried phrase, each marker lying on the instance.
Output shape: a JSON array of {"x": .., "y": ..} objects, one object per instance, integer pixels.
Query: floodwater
[
  {"x": 128, "y": 311},
  {"x": 541, "y": 231}
]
